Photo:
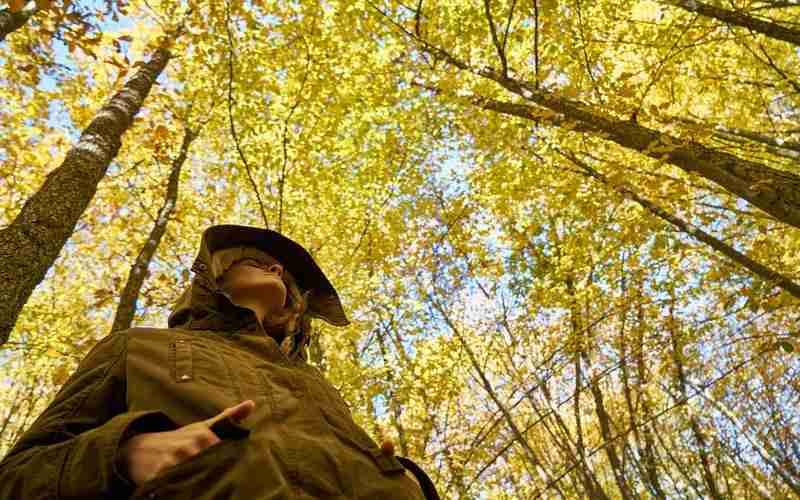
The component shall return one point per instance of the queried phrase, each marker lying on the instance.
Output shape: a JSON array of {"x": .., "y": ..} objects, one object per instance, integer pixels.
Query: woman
[{"x": 222, "y": 404}]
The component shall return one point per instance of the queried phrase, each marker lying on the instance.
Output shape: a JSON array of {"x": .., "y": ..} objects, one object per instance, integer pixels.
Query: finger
[
  {"x": 242, "y": 410},
  {"x": 238, "y": 412}
]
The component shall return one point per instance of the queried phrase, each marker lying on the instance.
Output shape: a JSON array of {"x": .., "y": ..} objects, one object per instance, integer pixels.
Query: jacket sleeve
[{"x": 70, "y": 451}]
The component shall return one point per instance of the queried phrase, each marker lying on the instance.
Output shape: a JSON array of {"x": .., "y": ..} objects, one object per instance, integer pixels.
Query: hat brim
[{"x": 323, "y": 301}]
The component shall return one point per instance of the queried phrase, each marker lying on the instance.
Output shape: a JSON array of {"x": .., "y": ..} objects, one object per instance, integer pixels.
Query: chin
[{"x": 268, "y": 287}]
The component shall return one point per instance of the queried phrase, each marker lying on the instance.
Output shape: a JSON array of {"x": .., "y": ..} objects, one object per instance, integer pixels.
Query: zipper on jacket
[{"x": 183, "y": 360}]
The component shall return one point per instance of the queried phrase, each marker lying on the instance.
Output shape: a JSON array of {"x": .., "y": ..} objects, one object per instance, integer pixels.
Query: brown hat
[{"x": 323, "y": 301}]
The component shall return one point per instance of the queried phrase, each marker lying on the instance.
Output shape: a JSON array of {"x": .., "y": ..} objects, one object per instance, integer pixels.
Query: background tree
[{"x": 30, "y": 244}]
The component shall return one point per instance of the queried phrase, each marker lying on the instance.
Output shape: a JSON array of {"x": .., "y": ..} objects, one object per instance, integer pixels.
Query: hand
[{"x": 145, "y": 455}]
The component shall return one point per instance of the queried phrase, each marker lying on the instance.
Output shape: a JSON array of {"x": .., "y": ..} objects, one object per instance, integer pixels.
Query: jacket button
[{"x": 387, "y": 447}]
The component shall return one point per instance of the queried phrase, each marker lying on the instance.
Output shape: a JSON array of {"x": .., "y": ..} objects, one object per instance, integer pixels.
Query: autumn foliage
[{"x": 568, "y": 232}]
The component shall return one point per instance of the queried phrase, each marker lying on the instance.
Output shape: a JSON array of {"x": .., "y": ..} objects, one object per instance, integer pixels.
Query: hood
[{"x": 202, "y": 306}]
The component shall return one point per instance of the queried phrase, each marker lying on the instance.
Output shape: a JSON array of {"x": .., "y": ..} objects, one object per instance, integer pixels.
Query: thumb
[{"x": 237, "y": 413}]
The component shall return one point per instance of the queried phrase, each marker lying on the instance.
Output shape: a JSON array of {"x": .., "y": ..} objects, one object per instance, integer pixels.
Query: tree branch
[
  {"x": 767, "y": 28},
  {"x": 230, "y": 117}
]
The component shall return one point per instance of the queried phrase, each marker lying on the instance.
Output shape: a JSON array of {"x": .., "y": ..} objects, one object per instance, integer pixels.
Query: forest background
[{"x": 567, "y": 231}]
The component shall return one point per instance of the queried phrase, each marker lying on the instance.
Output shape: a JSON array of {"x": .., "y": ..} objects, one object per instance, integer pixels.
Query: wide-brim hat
[{"x": 323, "y": 301}]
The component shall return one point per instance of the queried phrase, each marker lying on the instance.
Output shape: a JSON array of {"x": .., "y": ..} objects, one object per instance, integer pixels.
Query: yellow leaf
[
  {"x": 60, "y": 375},
  {"x": 646, "y": 11},
  {"x": 16, "y": 5},
  {"x": 161, "y": 132}
]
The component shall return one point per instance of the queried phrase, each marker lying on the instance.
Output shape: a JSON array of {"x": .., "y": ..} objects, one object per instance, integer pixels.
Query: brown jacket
[{"x": 300, "y": 442}]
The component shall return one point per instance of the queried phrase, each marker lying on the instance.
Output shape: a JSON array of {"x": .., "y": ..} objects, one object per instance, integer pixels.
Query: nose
[{"x": 276, "y": 269}]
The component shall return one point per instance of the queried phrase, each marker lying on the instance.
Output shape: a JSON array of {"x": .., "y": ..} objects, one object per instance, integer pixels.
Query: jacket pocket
[
  {"x": 195, "y": 360},
  {"x": 350, "y": 433},
  {"x": 182, "y": 375},
  {"x": 185, "y": 480}
]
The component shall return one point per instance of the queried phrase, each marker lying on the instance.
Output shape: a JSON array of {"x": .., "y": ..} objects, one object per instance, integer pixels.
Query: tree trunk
[
  {"x": 774, "y": 191},
  {"x": 316, "y": 353},
  {"x": 588, "y": 478},
  {"x": 32, "y": 242},
  {"x": 644, "y": 442},
  {"x": 394, "y": 405},
  {"x": 767, "y": 28},
  {"x": 784, "y": 468},
  {"x": 12, "y": 21},
  {"x": 130, "y": 295},
  {"x": 617, "y": 466}
]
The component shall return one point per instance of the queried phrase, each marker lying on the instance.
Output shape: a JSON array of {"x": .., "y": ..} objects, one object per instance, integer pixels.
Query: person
[{"x": 222, "y": 404}]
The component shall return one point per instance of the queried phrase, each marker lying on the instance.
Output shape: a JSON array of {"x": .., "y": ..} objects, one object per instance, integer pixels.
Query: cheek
[{"x": 231, "y": 277}]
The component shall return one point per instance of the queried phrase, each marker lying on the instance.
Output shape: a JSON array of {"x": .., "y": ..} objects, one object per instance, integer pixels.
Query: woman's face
[{"x": 259, "y": 283}]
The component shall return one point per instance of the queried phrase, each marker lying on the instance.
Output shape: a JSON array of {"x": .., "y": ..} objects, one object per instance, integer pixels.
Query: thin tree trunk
[
  {"x": 12, "y": 21},
  {"x": 757, "y": 484},
  {"x": 11, "y": 414},
  {"x": 697, "y": 432},
  {"x": 564, "y": 441},
  {"x": 605, "y": 430},
  {"x": 316, "y": 353},
  {"x": 578, "y": 334},
  {"x": 760, "y": 270},
  {"x": 136, "y": 276},
  {"x": 23, "y": 422},
  {"x": 32, "y": 242},
  {"x": 650, "y": 472},
  {"x": 787, "y": 473},
  {"x": 576, "y": 411},
  {"x": 683, "y": 469},
  {"x": 529, "y": 453},
  {"x": 767, "y": 28},
  {"x": 394, "y": 406},
  {"x": 456, "y": 469},
  {"x": 589, "y": 480}
]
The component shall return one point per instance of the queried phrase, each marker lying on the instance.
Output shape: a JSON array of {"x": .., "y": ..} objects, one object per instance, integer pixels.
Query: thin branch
[
  {"x": 418, "y": 18},
  {"x": 508, "y": 24},
  {"x": 536, "y": 43},
  {"x": 493, "y": 30},
  {"x": 230, "y": 116},
  {"x": 671, "y": 52},
  {"x": 585, "y": 53},
  {"x": 758, "y": 269},
  {"x": 656, "y": 416},
  {"x": 282, "y": 180}
]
